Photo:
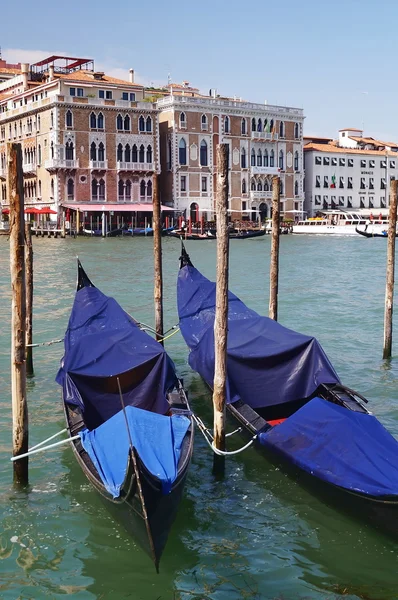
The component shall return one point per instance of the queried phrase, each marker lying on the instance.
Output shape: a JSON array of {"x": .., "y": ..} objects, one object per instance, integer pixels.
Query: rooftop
[{"x": 339, "y": 150}]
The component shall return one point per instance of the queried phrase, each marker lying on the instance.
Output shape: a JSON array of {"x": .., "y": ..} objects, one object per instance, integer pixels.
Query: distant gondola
[
  {"x": 368, "y": 234},
  {"x": 282, "y": 388},
  {"x": 211, "y": 235},
  {"x": 104, "y": 349}
]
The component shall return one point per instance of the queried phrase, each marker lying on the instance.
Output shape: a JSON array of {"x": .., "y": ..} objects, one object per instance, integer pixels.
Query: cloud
[{"x": 16, "y": 55}]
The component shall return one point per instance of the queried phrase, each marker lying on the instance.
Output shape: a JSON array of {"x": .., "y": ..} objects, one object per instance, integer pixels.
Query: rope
[
  {"x": 170, "y": 334},
  {"x": 210, "y": 440},
  {"x": 45, "y": 343}
]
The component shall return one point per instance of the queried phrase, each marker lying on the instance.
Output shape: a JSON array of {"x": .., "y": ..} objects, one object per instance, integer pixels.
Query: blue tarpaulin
[
  {"x": 103, "y": 341},
  {"x": 156, "y": 438},
  {"x": 348, "y": 449},
  {"x": 268, "y": 364}
]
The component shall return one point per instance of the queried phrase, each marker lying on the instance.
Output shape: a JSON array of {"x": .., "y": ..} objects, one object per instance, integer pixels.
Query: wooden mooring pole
[
  {"x": 157, "y": 250},
  {"x": 274, "y": 268},
  {"x": 221, "y": 317},
  {"x": 29, "y": 298},
  {"x": 18, "y": 311},
  {"x": 388, "y": 310}
]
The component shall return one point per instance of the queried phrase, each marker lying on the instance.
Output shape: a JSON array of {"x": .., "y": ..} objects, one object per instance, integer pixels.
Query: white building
[{"x": 351, "y": 173}]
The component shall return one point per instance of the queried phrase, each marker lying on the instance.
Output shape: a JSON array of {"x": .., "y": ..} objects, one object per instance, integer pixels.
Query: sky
[{"x": 335, "y": 59}]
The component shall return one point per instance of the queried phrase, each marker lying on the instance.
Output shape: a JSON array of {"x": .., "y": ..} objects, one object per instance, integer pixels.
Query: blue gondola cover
[
  {"x": 348, "y": 449},
  {"x": 103, "y": 341},
  {"x": 156, "y": 438},
  {"x": 268, "y": 364}
]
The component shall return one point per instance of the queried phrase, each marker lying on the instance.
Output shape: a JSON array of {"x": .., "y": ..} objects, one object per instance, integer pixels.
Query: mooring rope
[
  {"x": 45, "y": 343},
  {"x": 210, "y": 439}
]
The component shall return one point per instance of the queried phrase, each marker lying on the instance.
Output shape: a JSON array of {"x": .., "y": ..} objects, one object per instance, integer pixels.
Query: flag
[
  {"x": 268, "y": 127},
  {"x": 333, "y": 184}
]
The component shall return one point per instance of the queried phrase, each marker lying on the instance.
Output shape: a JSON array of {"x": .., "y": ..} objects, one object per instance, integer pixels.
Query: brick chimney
[{"x": 25, "y": 73}]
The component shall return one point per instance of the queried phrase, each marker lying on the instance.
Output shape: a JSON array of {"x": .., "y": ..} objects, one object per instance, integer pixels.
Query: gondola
[
  {"x": 283, "y": 390},
  {"x": 124, "y": 401},
  {"x": 148, "y": 231},
  {"x": 368, "y": 234},
  {"x": 211, "y": 235}
]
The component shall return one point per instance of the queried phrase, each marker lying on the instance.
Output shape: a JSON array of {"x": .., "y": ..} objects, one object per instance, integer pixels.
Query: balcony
[
  {"x": 54, "y": 164},
  {"x": 134, "y": 166},
  {"x": 264, "y": 170},
  {"x": 99, "y": 165},
  {"x": 256, "y": 195},
  {"x": 29, "y": 168},
  {"x": 261, "y": 135}
]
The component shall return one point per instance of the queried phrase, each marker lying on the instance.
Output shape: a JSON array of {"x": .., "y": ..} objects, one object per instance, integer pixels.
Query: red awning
[
  {"x": 46, "y": 211},
  {"x": 32, "y": 210},
  {"x": 108, "y": 206},
  {"x": 5, "y": 211}
]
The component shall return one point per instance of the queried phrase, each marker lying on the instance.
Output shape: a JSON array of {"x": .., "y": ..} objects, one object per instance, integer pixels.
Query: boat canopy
[
  {"x": 102, "y": 342},
  {"x": 267, "y": 365}
]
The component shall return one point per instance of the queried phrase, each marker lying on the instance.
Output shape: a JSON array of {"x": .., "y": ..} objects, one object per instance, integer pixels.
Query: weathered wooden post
[
  {"x": 221, "y": 317},
  {"x": 157, "y": 250},
  {"x": 63, "y": 224},
  {"x": 29, "y": 298},
  {"x": 388, "y": 310},
  {"x": 274, "y": 268},
  {"x": 18, "y": 311}
]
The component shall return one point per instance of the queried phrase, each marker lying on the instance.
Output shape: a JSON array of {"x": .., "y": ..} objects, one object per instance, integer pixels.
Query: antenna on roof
[
  {"x": 0, "y": 54},
  {"x": 168, "y": 78}
]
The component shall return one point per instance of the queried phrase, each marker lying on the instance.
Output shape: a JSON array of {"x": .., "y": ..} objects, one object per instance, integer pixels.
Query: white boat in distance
[{"x": 339, "y": 222}]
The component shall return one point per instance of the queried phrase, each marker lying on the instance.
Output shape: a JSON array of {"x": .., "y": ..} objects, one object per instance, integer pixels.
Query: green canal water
[{"x": 257, "y": 534}]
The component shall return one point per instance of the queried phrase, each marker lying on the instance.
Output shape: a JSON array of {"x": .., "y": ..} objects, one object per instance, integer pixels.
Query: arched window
[
  {"x": 281, "y": 187},
  {"x": 93, "y": 151},
  {"x": 93, "y": 121},
  {"x": 281, "y": 129},
  {"x": 243, "y": 186},
  {"x": 265, "y": 161},
  {"x": 120, "y": 187},
  {"x": 203, "y": 153},
  {"x": 259, "y": 125},
  {"x": 69, "y": 151},
  {"x": 272, "y": 159},
  {"x": 243, "y": 158},
  {"x": 260, "y": 186},
  {"x": 204, "y": 123},
  {"x": 253, "y": 124},
  {"x": 127, "y": 123},
  {"x": 296, "y": 161},
  {"x": 142, "y": 154},
  {"x": 52, "y": 149},
  {"x": 149, "y": 154},
  {"x": 271, "y": 125},
  {"x": 119, "y": 122},
  {"x": 127, "y": 190},
  {"x": 259, "y": 158},
  {"x": 149, "y": 189},
  {"x": 243, "y": 127},
  {"x": 141, "y": 123},
  {"x": 142, "y": 188},
  {"x": 296, "y": 131},
  {"x": 266, "y": 186},
  {"x": 253, "y": 158},
  {"x": 40, "y": 188},
  {"x": 183, "y": 120},
  {"x": 38, "y": 123},
  {"x": 226, "y": 125},
  {"x": 149, "y": 124},
  {"x": 71, "y": 189},
  {"x": 101, "y": 189},
  {"x": 134, "y": 154},
  {"x": 127, "y": 153},
  {"x": 69, "y": 119},
  {"x": 281, "y": 160},
  {"x": 94, "y": 189},
  {"x": 253, "y": 185},
  {"x": 296, "y": 188},
  {"x": 100, "y": 121},
  {"x": 182, "y": 152},
  {"x": 39, "y": 154},
  {"x": 101, "y": 151},
  {"x": 51, "y": 120},
  {"x": 119, "y": 157},
  {"x": 265, "y": 124}
]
